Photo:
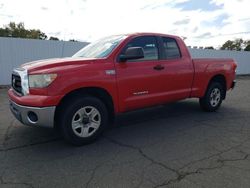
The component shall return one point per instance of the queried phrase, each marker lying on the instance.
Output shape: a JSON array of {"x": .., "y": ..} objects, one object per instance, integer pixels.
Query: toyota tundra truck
[{"x": 79, "y": 96}]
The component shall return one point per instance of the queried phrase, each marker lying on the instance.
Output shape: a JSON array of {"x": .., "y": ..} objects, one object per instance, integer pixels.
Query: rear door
[
  {"x": 177, "y": 75},
  {"x": 137, "y": 80}
]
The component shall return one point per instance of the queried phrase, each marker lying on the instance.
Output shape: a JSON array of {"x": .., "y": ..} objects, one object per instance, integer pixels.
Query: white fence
[
  {"x": 242, "y": 58},
  {"x": 14, "y": 52}
]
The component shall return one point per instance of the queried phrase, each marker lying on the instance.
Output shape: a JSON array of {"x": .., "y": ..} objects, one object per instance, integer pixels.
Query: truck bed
[{"x": 206, "y": 68}]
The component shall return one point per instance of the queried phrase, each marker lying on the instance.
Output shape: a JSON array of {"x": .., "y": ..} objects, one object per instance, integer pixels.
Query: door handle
[{"x": 159, "y": 67}]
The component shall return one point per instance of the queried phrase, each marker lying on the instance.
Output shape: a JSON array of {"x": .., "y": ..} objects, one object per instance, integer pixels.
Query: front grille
[{"x": 16, "y": 83}]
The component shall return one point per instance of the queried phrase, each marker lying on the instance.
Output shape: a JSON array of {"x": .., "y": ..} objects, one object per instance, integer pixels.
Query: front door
[{"x": 138, "y": 81}]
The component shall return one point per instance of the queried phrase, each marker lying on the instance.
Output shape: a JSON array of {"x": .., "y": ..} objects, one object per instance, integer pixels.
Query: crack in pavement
[
  {"x": 141, "y": 153},
  {"x": 236, "y": 167},
  {"x": 180, "y": 175},
  {"x": 2, "y": 182},
  {"x": 29, "y": 145},
  {"x": 234, "y": 160},
  {"x": 6, "y": 135},
  {"x": 214, "y": 155},
  {"x": 92, "y": 175},
  {"x": 226, "y": 129},
  {"x": 6, "y": 138},
  {"x": 198, "y": 184},
  {"x": 199, "y": 170},
  {"x": 95, "y": 169}
]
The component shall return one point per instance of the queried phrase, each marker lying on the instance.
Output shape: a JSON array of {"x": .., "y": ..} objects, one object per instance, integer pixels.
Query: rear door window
[{"x": 170, "y": 48}]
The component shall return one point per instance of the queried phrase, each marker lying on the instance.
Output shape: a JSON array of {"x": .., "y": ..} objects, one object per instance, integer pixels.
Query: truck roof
[{"x": 150, "y": 33}]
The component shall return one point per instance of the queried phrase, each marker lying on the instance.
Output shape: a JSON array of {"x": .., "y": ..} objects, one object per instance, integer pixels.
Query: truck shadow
[
  {"x": 170, "y": 117},
  {"x": 170, "y": 110},
  {"x": 173, "y": 132}
]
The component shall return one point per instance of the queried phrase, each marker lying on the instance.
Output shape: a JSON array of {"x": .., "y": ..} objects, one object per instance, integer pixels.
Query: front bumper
[{"x": 34, "y": 116}]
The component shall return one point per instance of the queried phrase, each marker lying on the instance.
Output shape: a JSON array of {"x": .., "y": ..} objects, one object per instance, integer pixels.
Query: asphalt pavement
[{"x": 174, "y": 145}]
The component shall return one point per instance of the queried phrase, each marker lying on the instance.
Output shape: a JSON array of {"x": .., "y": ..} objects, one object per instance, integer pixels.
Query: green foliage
[
  {"x": 19, "y": 31},
  {"x": 227, "y": 45},
  {"x": 247, "y": 45},
  {"x": 247, "y": 48},
  {"x": 237, "y": 44},
  {"x": 209, "y": 47},
  {"x": 233, "y": 45},
  {"x": 53, "y": 38}
]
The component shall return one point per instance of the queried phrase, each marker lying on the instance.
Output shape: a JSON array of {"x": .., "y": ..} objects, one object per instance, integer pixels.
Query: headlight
[{"x": 41, "y": 80}]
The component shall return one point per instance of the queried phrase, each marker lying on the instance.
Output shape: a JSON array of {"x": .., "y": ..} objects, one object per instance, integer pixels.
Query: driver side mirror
[{"x": 132, "y": 53}]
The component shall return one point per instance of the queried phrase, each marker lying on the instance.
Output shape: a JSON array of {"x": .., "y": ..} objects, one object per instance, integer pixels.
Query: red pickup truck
[{"x": 80, "y": 95}]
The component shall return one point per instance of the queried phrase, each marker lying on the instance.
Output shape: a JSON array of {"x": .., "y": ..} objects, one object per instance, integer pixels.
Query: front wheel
[
  {"x": 213, "y": 97},
  {"x": 83, "y": 120}
]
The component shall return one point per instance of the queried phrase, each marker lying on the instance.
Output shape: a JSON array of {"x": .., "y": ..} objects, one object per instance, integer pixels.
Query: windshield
[{"x": 101, "y": 48}]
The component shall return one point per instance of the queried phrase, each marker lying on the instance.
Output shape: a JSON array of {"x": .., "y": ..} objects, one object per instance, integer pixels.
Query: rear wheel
[
  {"x": 213, "y": 97},
  {"x": 83, "y": 119}
]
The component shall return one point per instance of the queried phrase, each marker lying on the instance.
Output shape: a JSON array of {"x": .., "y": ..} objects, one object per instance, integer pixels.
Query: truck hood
[{"x": 48, "y": 64}]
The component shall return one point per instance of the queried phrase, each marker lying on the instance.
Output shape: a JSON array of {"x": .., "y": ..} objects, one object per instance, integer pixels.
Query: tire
[
  {"x": 213, "y": 97},
  {"x": 82, "y": 120}
]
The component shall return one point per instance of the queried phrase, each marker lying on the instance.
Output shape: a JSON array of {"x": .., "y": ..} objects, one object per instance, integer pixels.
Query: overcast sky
[{"x": 202, "y": 22}]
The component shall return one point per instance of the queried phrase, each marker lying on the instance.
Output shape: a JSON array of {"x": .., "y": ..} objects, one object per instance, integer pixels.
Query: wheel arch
[
  {"x": 221, "y": 79},
  {"x": 97, "y": 92}
]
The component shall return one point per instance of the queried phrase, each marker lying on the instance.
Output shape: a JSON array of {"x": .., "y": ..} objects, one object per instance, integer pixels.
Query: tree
[
  {"x": 247, "y": 48},
  {"x": 19, "y": 31},
  {"x": 227, "y": 45},
  {"x": 233, "y": 45},
  {"x": 209, "y": 47},
  {"x": 53, "y": 38},
  {"x": 247, "y": 44},
  {"x": 238, "y": 44}
]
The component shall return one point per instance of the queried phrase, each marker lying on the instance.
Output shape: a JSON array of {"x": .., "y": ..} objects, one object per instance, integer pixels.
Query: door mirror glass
[{"x": 132, "y": 53}]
